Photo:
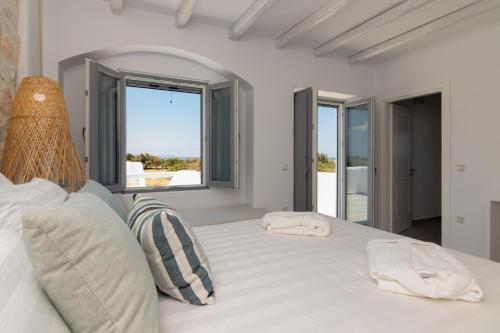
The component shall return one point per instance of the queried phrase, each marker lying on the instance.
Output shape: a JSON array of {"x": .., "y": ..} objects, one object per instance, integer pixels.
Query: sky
[
  {"x": 158, "y": 127},
  {"x": 161, "y": 128},
  {"x": 327, "y": 131},
  {"x": 357, "y": 131}
]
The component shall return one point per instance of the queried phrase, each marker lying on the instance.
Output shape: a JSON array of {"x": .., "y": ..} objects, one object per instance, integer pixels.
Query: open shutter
[
  {"x": 105, "y": 126},
  {"x": 223, "y": 137},
  {"x": 302, "y": 150}
]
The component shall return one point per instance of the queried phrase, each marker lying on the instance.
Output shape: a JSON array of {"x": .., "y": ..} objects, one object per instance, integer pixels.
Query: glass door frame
[
  {"x": 342, "y": 171},
  {"x": 333, "y": 103}
]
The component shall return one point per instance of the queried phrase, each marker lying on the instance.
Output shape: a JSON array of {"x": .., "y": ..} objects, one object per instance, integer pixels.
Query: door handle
[{"x": 412, "y": 171}]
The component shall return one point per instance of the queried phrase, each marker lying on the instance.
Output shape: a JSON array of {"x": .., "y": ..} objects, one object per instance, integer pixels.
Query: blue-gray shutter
[
  {"x": 302, "y": 150},
  {"x": 106, "y": 127},
  {"x": 223, "y": 136}
]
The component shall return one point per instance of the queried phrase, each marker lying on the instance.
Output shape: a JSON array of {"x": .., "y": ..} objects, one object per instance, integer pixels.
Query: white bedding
[{"x": 279, "y": 283}]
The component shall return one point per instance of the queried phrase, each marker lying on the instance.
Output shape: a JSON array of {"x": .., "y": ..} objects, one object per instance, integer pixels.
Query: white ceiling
[{"x": 284, "y": 14}]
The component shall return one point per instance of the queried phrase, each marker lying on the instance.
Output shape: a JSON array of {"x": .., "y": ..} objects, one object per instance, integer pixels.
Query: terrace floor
[{"x": 327, "y": 199}]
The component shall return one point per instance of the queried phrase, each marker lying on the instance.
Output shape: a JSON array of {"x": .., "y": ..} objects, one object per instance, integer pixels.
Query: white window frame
[{"x": 182, "y": 83}]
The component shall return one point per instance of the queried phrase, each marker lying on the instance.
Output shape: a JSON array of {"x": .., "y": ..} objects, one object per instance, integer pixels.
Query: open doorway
[
  {"x": 333, "y": 154},
  {"x": 416, "y": 156},
  {"x": 327, "y": 157}
]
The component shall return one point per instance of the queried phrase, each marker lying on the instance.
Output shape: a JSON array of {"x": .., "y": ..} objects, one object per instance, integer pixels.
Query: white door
[{"x": 402, "y": 168}]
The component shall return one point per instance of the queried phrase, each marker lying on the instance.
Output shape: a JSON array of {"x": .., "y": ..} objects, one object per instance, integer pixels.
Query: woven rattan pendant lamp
[{"x": 39, "y": 140}]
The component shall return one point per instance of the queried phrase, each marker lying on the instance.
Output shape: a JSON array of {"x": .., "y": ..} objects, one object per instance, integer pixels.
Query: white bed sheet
[{"x": 279, "y": 283}]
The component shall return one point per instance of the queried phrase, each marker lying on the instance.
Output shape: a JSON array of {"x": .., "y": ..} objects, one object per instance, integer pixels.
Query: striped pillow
[{"x": 177, "y": 261}]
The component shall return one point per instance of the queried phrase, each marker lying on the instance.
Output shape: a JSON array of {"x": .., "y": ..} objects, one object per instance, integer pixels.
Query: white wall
[
  {"x": 467, "y": 59},
  {"x": 426, "y": 157},
  {"x": 464, "y": 58},
  {"x": 73, "y": 27},
  {"x": 29, "y": 51}
]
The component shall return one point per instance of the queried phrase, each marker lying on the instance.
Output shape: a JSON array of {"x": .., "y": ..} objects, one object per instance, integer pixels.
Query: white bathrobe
[
  {"x": 297, "y": 223},
  {"x": 411, "y": 267}
]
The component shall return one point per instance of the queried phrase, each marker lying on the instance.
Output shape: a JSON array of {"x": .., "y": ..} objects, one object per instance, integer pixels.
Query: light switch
[
  {"x": 460, "y": 219},
  {"x": 284, "y": 167},
  {"x": 460, "y": 168}
]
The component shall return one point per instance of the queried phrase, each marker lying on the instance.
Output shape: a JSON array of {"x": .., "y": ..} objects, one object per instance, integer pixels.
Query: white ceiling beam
[
  {"x": 434, "y": 25},
  {"x": 248, "y": 18},
  {"x": 311, "y": 21},
  {"x": 184, "y": 13},
  {"x": 116, "y": 6},
  {"x": 400, "y": 9}
]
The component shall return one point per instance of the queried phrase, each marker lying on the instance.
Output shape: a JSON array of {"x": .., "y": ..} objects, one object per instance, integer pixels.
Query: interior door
[
  {"x": 401, "y": 168},
  {"x": 303, "y": 160},
  {"x": 357, "y": 161}
]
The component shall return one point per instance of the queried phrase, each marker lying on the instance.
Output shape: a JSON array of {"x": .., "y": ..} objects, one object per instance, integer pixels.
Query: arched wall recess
[
  {"x": 154, "y": 49},
  {"x": 72, "y": 78}
]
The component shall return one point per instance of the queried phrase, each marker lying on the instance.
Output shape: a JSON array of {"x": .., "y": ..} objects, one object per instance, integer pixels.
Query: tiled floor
[{"x": 428, "y": 230}]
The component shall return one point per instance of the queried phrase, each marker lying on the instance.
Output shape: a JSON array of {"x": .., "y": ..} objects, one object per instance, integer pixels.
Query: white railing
[{"x": 357, "y": 180}]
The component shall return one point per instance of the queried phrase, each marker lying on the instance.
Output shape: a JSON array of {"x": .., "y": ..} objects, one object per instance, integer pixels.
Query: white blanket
[
  {"x": 297, "y": 223},
  {"x": 411, "y": 267}
]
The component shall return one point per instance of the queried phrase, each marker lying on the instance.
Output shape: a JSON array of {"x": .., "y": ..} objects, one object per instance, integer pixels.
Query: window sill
[{"x": 164, "y": 189}]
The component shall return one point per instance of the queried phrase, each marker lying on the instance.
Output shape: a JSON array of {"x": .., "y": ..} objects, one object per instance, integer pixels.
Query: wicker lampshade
[{"x": 39, "y": 140}]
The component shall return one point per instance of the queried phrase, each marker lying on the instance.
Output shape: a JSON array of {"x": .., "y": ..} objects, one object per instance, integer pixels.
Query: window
[
  {"x": 163, "y": 134},
  {"x": 157, "y": 133}
]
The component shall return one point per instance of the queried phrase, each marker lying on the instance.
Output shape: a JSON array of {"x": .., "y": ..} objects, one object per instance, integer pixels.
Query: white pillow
[
  {"x": 24, "y": 306},
  {"x": 4, "y": 181},
  {"x": 91, "y": 266},
  {"x": 15, "y": 199}
]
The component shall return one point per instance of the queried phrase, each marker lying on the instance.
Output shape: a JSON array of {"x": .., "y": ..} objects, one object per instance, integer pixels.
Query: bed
[{"x": 276, "y": 283}]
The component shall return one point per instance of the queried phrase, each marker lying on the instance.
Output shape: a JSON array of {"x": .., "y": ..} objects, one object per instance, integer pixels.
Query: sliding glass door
[{"x": 356, "y": 199}]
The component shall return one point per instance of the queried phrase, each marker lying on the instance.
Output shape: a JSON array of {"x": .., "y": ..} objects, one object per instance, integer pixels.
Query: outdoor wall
[
  {"x": 73, "y": 27},
  {"x": 466, "y": 59},
  {"x": 357, "y": 180}
]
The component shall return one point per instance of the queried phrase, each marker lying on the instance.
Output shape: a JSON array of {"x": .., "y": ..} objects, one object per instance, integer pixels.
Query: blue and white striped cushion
[{"x": 177, "y": 261}]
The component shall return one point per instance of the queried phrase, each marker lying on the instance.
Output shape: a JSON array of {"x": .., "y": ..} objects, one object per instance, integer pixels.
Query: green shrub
[
  {"x": 151, "y": 162},
  {"x": 325, "y": 164}
]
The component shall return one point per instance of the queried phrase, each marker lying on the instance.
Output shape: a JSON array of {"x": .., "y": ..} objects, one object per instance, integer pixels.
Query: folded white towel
[
  {"x": 297, "y": 223},
  {"x": 411, "y": 267}
]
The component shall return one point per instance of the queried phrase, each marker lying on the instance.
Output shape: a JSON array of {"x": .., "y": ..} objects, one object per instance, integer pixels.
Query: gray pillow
[
  {"x": 91, "y": 267},
  {"x": 105, "y": 195}
]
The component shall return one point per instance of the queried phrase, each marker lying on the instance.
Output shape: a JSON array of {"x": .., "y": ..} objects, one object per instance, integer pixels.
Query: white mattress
[{"x": 271, "y": 283}]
